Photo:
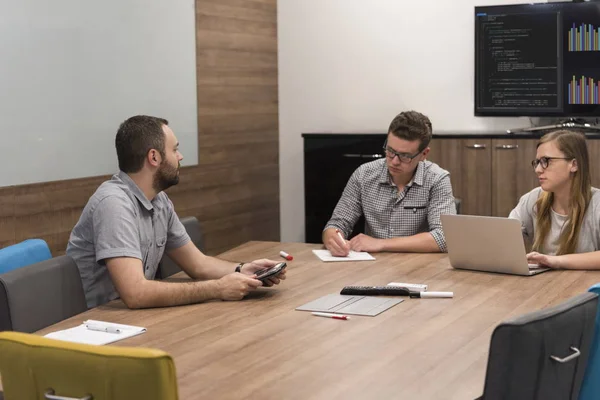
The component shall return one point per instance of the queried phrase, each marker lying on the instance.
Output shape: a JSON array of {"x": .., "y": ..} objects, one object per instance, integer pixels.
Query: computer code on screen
[{"x": 518, "y": 61}]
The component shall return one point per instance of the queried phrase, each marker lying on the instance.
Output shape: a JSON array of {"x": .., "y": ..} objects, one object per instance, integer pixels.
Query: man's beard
[{"x": 165, "y": 177}]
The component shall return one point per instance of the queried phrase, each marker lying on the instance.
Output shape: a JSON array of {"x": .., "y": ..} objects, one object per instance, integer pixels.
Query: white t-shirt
[{"x": 589, "y": 236}]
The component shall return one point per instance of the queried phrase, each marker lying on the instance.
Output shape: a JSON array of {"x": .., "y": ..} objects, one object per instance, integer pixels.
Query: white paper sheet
[
  {"x": 325, "y": 255},
  {"x": 82, "y": 334}
]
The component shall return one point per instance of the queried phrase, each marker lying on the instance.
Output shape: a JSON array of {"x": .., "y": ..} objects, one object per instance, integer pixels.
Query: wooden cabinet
[
  {"x": 488, "y": 175},
  {"x": 594, "y": 154},
  {"x": 468, "y": 161},
  {"x": 512, "y": 173}
]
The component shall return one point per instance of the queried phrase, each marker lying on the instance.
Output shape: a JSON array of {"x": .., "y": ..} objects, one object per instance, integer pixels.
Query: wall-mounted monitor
[{"x": 539, "y": 59}]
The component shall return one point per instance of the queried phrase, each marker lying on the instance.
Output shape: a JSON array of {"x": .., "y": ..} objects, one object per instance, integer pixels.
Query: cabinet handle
[
  {"x": 371, "y": 155},
  {"x": 476, "y": 146},
  {"x": 507, "y": 146},
  {"x": 352, "y": 155},
  {"x": 576, "y": 353},
  {"x": 51, "y": 396}
]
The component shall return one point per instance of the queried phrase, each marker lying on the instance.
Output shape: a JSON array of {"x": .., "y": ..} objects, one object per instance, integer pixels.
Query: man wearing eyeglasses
[{"x": 401, "y": 197}]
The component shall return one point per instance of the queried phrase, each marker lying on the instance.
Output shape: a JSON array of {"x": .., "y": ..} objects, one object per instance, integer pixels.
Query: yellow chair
[{"x": 32, "y": 367}]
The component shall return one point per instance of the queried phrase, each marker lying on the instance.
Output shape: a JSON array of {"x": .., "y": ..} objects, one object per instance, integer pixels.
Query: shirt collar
[
  {"x": 135, "y": 189},
  {"x": 418, "y": 177}
]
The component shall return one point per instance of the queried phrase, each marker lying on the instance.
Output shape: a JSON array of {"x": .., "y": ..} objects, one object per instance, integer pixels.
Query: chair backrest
[
  {"x": 168, "y": 267},
  {"x": 27, "y": 252},
  {"x": 457, "y": 203},
  {"x": 31, "y": 365},
  {"x": 590, "y": 389},
  {"x": 542, "y": 355},
  {"x": 39, "y": 295}
]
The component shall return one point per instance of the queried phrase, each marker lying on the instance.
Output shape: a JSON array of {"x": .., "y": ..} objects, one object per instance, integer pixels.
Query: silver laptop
[{"x": 489, "y": 244}]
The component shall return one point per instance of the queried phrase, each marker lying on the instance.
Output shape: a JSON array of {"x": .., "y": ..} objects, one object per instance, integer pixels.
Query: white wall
[
  {"x": 352, "y": 65},
  {"x": 72, "y": 70}
]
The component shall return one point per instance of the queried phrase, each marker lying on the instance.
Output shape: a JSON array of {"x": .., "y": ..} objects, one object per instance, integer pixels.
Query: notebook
[
  {"x": 325, "y": 255},
  {"x": 97, "y": 332}
]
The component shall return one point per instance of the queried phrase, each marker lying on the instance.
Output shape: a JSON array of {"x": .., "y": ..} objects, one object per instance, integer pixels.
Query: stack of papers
[
  {"x": 325, "y": 255},
  {"x": 97, "y": 332}
]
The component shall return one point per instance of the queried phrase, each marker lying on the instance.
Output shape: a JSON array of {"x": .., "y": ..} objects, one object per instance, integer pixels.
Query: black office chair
[
  {"x": 457, "y": 204},
  {"x": 542, "y": 355},
  {"x": 41, "y": 294},
  {"x": 168, "y": 267}
]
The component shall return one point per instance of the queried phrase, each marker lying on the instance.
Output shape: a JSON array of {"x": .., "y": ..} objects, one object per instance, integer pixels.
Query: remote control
[{"x": 375, "y": 291}]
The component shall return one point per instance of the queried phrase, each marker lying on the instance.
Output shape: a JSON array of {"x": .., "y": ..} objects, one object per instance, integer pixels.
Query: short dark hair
[
  {"x": 136, "y": 137},
  {"x": 412, "y": 125}
]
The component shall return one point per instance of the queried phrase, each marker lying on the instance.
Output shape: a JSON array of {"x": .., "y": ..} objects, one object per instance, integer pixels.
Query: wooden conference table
[{"x": 262, "y": 348}]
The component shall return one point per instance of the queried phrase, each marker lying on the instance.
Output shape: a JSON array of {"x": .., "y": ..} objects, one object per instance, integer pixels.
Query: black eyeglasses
[
  {"x": 403, "y": 157},
  {"x": 544, "y": 161}
]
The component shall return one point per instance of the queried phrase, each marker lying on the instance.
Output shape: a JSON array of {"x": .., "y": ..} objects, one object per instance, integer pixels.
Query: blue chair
[
  {"x": 27, "y": 252},
  {"x": 590, "y": 389}
]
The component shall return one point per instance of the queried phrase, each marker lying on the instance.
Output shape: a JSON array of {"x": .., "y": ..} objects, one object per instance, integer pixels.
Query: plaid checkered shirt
[{"x": 371, "y": 192}]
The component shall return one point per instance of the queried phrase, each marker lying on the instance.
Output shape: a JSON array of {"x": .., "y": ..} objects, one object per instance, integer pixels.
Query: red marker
[
  {"x": 328, "y": 315},
  {"x": 286, "y": 255}
]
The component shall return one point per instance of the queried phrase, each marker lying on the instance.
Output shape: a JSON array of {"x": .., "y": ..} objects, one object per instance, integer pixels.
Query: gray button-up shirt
[
  {"x": 119, "y": 221},
  {"x": 371, "y": 192}
]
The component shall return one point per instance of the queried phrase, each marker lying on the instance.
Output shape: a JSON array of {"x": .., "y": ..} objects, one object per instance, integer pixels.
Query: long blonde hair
[{"x": 573, "y": 146}]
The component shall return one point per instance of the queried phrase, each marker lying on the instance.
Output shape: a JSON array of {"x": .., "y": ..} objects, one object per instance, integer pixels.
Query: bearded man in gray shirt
[{"x": 129, "y": 223}]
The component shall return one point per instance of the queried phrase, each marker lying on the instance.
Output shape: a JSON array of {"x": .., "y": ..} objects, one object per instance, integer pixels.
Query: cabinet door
[
  {"x": 512, "y": 174},
  {"x": 469, "y": 162},
  {"x": 476, "y": 174},
  {"x": 594, "y": 156},
  {"x": 447, "y": 153},
  {"x": 328, "y": 163}
]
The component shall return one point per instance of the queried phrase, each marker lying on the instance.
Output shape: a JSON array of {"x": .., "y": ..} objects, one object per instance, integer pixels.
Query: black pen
[{"x": 430, "y": 295}]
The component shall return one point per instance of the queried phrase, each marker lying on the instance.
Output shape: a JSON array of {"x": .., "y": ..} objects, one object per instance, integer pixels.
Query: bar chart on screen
[
  {"x": 584, "y": 37},
  {"x": 583, "y": 90}
]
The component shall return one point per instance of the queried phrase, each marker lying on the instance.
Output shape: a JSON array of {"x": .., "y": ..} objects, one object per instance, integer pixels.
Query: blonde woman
[{"x": 562, "y": 216}]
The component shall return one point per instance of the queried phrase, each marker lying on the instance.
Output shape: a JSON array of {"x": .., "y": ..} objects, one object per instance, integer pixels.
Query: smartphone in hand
[{"x": 262, "y": 275}]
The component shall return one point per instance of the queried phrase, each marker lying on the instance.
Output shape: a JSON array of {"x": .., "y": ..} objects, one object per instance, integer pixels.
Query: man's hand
[
  {"x": 335, "y": 243},
  {"x": 362, "y": 242},
  {"x": 235, "y": 286},
  {"x": 543, "y": 260},
  {"x": 258, "y": 265}
]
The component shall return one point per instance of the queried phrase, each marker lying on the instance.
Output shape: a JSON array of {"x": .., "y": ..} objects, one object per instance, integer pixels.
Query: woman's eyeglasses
[{"x": 545, "y": 161}]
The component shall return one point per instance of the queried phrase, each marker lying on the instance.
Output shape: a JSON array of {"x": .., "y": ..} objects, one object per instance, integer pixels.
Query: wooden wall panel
[
  {"x": 234, "y": 190},
  {"x": 7, "y": 216}
]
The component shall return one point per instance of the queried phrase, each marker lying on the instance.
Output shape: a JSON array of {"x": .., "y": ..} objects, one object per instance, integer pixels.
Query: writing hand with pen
[
  {"x": 336, "y": 244},
  {"x": 340, "y": 247}
]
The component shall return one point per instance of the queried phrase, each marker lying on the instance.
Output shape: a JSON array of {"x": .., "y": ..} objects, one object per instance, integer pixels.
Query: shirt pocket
[{"x": 415, "y": 208}]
